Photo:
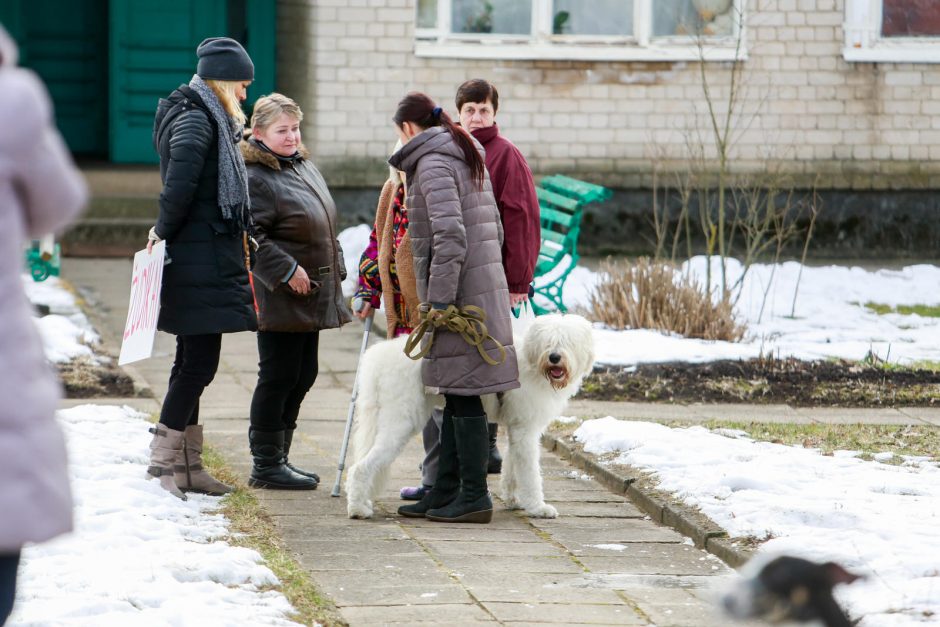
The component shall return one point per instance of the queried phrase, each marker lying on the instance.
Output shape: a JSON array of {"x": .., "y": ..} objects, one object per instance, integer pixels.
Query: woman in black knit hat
[{"x": 204, "y": 218}]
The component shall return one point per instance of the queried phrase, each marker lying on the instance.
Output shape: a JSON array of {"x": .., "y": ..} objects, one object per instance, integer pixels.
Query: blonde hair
[
  {"x": 269, "y": 108},
  {"x": 225, "y": 91}
]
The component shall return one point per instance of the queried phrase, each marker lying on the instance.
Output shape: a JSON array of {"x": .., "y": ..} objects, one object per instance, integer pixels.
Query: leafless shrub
[{"x": 647, "y": 294}]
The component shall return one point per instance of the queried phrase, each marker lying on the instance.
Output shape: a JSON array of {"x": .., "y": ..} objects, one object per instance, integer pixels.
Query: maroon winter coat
[{"x": 518, "y": 207}]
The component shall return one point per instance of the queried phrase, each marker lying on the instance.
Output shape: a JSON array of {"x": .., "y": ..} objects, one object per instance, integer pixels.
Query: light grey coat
[
  {"x": 40, "y": 191},
  {"x": 456, "y": 239}
]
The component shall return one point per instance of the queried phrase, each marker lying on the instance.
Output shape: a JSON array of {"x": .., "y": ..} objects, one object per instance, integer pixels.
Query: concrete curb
[{"x": 704, "y": 532}]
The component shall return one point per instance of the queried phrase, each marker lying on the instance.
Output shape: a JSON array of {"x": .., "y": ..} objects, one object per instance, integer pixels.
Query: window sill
[
  {"x": 894, "y": 53},
  {"x": 575, "y": 52}
]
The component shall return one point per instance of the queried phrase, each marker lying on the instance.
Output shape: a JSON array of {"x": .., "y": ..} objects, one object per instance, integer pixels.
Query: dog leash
[{"x": 468, "y": 322}]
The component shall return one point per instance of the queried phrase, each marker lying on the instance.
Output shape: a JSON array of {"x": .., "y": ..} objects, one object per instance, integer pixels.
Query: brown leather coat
[{"x": 295, "y": 223}]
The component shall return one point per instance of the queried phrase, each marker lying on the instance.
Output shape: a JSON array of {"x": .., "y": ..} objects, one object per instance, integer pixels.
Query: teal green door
[
  {"x": 65, "y": 43},
  {"x": 153, "y": 50}
]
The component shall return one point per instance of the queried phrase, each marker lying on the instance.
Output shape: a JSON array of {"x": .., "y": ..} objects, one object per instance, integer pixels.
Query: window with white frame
[
  {"x": 902, "y": 31},
  {"x": 668, "y": 30}
]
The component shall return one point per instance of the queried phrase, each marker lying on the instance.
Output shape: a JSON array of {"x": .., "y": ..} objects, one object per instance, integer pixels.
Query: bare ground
[{"x": 771, "y": 381}]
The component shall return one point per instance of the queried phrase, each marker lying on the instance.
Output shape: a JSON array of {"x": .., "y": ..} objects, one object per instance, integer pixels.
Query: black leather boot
[
  {"x": 447, "y": 483},
  {"x": 288, "y": 438},
  {"x": 473, "y": 503},
  {"x": 269, "y": 469},
  {"x": 494, "y": 464}
]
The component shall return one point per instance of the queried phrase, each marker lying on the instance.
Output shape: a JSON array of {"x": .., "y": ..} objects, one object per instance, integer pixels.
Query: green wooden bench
[
  {"x": 561, "y": 202},
  {"x": 43, "y": 258}
]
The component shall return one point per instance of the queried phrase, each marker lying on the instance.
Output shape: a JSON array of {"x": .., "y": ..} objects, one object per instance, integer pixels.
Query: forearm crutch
[{"x": 352, "y": 408}]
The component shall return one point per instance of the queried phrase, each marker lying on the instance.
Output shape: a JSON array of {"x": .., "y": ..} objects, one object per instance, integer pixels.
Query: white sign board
[{"x": 144, "y": 308}]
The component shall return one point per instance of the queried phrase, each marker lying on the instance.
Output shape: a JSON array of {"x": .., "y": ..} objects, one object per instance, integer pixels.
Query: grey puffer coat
[
  {"x": 456, "y": 239},
  {"x": 295, "y": 224},
  {"x": 40, "y": 191}
]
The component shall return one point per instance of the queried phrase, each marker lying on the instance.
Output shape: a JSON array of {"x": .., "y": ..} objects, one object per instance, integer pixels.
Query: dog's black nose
[{"x": 554, "y": 358}]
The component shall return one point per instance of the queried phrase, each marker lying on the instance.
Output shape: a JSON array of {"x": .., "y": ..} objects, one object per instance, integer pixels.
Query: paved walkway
[{"x": 601, "y": 562}]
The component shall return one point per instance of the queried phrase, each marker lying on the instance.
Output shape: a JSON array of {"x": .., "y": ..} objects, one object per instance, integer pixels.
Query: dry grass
[
  {"x": 252, "y": 527},
  {"x": 645, "y": 294}
]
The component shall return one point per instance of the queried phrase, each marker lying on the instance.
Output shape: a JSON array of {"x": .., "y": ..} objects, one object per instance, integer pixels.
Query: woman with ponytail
[{"x": 456, "y": 239}]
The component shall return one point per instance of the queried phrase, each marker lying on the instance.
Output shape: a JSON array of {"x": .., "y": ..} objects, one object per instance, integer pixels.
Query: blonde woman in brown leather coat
[{"x": 298, "y": 274}]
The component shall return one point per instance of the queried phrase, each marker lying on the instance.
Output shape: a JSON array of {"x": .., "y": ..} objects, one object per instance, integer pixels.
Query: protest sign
[{"x": 144, "y": 308}]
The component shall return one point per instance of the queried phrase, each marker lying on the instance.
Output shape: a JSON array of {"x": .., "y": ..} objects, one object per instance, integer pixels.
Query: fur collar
[{"x": 253, "y": 153}]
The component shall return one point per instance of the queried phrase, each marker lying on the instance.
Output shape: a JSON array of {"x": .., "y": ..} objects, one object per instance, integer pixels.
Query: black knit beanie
[{"x": 224, "y": 59}]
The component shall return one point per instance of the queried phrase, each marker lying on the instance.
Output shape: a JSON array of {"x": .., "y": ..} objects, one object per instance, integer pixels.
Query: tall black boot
[
  {"x": 473, "y": 503},
  {"x": 288, "y": 438},
  {"x": 447, "y": 483},
  {"x": 494, "y": 464},
  {"x": 269, "y": 469}
]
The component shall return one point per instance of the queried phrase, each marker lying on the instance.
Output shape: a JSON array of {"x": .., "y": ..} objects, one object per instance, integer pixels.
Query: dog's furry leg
[
  {"x": 368, "y": 476},
  {"x": 507, "y": 480},
  {"x": 527, "y": 475}
]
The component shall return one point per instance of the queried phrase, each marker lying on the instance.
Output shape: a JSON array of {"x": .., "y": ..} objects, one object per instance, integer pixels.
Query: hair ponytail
[{"x": 420, "y": 110}]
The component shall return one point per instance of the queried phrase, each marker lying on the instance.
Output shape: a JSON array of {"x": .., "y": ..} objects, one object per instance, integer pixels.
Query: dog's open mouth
[{"x": 556, "y": 373}]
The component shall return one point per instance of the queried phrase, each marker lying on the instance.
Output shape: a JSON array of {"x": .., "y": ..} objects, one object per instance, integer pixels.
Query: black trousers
[
  {"x": 9, "y": 562},
  {"x": 197, "y": 359},
  {"x": 463, "y": 405},
  {"x": 287, "y": 368}
]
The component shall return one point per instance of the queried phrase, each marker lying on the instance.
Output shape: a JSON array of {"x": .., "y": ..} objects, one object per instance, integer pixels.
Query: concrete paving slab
[
  {"x": 747, "y": 413},
  {"x": 608, "y": 530},
  {"x": 855, "y": 415},
  {"x": 643, "y": 586},
  {"x": 593, "y": 509},
  {"x": 454, "y": 548},
  {"x": 630, "y": 411},
  {"x": 930, "y": 415},
  {"x": 650, "y": 564},
  {"x": 485, "y": 534},
  {"x": 411, "y": 594},
  {"x": 551, "y": 613},
  {"x": 437, "y": 614},
  {"x": 391, "y": 576},
  {"x": 524, "y": 592},
  {"x": 497, "y": 565}
]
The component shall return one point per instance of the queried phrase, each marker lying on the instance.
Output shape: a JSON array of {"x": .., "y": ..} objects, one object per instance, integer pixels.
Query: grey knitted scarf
[{"x": 233, "y": 177}]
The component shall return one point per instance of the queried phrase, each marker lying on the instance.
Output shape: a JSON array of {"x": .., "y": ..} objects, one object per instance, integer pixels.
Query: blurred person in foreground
[{"x": 40, "y": 191}]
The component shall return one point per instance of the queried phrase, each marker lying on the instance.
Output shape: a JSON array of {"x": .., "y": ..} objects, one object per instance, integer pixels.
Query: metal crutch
[{"x": 352, "y": 407}]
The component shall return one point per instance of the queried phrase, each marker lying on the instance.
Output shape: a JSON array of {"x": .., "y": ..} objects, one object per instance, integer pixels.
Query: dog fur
[
  {"x": 786, "y": 588},
  {"x": 555, "y": 354}
]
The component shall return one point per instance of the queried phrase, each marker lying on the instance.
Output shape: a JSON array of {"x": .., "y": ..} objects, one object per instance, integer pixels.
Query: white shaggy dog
[{"x": 555, "y": 354}]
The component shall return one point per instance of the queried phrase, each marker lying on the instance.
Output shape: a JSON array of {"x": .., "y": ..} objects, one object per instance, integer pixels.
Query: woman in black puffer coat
[{"x": 204, "y": 215}]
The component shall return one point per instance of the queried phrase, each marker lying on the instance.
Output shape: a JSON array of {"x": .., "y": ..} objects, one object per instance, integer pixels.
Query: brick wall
[{"x": 841, "y": 125}]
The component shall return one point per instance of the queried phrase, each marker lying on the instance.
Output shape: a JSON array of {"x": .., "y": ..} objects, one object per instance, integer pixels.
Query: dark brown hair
[
  {"x": 420, "y": 110},
  {"x": 477, "y": 90}
]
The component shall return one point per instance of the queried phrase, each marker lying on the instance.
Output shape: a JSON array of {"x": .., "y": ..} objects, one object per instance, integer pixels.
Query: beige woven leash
[{"x": 469, "y": 322}]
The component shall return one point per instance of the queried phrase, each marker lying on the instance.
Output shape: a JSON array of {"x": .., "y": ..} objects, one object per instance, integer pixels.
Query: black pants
[
  {"x": 463, "y": 405},
  {"x": 8, "y": 565},
  {"x": 197, "y": 359},
  {"x": 287, "y": 368}
]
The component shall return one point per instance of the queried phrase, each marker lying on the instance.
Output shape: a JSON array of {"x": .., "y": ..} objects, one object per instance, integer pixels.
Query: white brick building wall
[{"x": 852, "y": 125}]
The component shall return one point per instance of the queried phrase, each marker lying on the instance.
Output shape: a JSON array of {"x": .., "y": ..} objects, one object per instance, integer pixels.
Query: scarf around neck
[{"x": 233, "y": 177}]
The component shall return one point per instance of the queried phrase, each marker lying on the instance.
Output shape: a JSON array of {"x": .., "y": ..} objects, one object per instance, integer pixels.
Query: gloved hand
[{"x": 152, "y": 238}]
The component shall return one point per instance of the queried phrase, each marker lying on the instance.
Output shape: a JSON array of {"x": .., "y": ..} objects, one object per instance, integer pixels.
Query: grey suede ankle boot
[
  {"x": 188, "y": 472},
  {"x": 164, "y": 447}
]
